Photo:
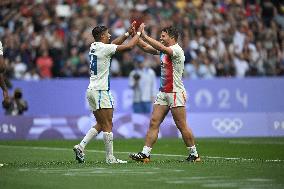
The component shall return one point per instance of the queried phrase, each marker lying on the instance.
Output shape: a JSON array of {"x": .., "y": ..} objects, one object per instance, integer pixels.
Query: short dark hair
[
  {"x": 171, "y": 31},
  {"x": 98, "y": 31}
]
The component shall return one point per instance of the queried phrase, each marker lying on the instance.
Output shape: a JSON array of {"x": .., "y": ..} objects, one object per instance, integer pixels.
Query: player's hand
[
  {"x": 134, "y": 32},
  {"x": 141, "y": 28},
  {"x": 131, "y": 30}
]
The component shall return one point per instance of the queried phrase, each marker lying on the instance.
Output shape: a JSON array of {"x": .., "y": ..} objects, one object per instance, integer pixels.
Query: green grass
[{"x": 226, "y": 163}]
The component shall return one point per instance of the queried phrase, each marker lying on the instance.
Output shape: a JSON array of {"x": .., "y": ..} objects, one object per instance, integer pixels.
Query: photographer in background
[
  {"x": 17, "y": 104},
  {"x": 143, "y": 82}
]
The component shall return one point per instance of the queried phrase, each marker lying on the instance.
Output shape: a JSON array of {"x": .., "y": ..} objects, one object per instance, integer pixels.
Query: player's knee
[
  {"x": 181, "y": 125},
  {"x": 108, "y": 127}
]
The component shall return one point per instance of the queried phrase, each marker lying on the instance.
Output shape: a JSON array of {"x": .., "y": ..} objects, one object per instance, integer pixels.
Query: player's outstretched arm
[
  {"x": 119, "y": 40},
  {"x": 146, "y": 47},
  {"x": 6, "y": 101},
  {"x": 2, "y": 81},
  {"x": 3, "y": 86},
  {"x": 157, "y": 45},
  {"x": 132, "y": 42}
]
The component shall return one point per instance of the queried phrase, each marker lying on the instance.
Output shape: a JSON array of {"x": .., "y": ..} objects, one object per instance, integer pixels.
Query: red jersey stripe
[{"x": 167, "y": 70}]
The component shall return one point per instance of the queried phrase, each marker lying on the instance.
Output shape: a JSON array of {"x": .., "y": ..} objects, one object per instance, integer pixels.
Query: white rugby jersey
[
  {"x": 100, "y": 59},
  {"x": 1, "y": 48},
  {"x": 171, "y": 70}
]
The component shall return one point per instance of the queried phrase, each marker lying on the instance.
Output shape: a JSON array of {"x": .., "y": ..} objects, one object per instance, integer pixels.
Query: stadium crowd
[{"x": 221, "y": 38}]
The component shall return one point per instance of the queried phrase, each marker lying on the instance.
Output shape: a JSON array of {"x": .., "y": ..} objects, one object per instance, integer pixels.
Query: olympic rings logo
[{"x": 227, "y": 125}]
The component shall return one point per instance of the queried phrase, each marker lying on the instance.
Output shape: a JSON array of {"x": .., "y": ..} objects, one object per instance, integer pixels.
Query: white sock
[
  {"x": 108, "y": 140},
  {"x": 192, "y": 150},
  {"x": 90, "y": 134},
  {"x": 146, "y": 150}
]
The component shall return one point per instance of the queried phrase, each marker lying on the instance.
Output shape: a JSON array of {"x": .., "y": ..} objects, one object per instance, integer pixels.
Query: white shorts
[
  {"x": 99, "y": 99},
  {"x": 174, "y": 99}
]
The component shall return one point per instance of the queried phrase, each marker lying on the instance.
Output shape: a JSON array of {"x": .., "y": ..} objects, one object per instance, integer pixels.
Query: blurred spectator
[
  {"x": 17, "y": 104},
  {"x": 31, "y": 75},
  {"x": 127, "y": 64},
  {"x": 74, "y": 59},
  {"x": 217, "y": 28},
  {"x": 83, "y": 66},
  {"x": 143, "y": 82},
  {"x": 191, "y": 70},
  {"x": 67, "y": 70},
  {"x": 207, "y": 68},
  {"x": 44, "y": 64},
  {"x": 268, "y": 12},
  {"x": 225, "y": 68},
  {"x": 241, "y": 65},
  {"x": 19, "y": 68}
]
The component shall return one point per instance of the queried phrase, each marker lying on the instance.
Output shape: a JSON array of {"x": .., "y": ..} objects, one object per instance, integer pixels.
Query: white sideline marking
[
  {"x": 165, "y": 155},
  {"x": 90, "y": 172},
  {"x": 255, "y": 142},
  {"x": 218, "y": 182}
]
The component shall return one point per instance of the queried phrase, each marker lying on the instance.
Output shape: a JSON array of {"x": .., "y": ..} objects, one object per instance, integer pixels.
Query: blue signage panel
[{"x": 68, "y": 97}]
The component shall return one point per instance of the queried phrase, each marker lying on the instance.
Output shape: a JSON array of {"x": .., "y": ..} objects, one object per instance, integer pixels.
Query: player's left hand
[
  {"x": 141, "y": 28},
  {"x": 131, "y": 30}
]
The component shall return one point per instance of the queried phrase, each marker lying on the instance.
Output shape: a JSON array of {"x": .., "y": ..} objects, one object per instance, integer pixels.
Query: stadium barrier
[
  {"x": 135, "y": 126},
  {"x": 216, "y": 108}
]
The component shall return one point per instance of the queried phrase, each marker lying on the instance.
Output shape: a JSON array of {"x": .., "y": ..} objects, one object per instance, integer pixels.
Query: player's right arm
[
  {"x": 132, "y": 42},
  {"x": 2, "y": 80},
  {"x": 3, "y": 85},
  {"x": 157, "y": 45},
  {"x": 119, "y": 40},
  {"x": 147, "y": 48}
]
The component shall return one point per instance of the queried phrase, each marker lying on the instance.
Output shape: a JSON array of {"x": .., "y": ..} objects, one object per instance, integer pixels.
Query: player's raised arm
[
  {"x": 3, "y": 86},
  {"x": 146, "y": 47},
  {"x": 156, "y": 44},
  {"x": 119, "y": 40},
  {"x": 132, "y": 42}
]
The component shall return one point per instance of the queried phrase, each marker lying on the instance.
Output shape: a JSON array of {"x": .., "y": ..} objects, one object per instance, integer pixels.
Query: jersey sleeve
[
  {"x": 176, "y": 52},
  {"x": 1, "y": 49},
  {"x": 110, "y": 49}
]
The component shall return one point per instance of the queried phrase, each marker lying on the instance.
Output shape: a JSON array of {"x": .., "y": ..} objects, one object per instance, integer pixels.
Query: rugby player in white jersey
[
  {"x": 172, "y": 94},
  {"x": 6, "y": 99},
  {"x": 98, "y": 93}
]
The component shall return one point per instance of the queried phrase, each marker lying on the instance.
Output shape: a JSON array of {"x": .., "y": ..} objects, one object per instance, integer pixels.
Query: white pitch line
[
  {"x": 256, "y": 142},
  {"x": 165, "y": 155},
  {"x": 69, "y": 149}
]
